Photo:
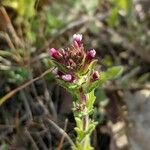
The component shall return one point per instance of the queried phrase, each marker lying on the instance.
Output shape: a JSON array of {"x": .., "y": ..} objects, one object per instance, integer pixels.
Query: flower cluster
[{"x": 72, "y": 62}]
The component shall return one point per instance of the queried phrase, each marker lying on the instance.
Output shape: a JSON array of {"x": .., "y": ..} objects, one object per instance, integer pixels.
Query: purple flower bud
[
  {"x": 67, "y": 77},
  {"x": 91, "y": 54},
  {"x": 54, "y": 53},
  {"x": 77, "y": 39},
  {"x": 95, "y": 75}
]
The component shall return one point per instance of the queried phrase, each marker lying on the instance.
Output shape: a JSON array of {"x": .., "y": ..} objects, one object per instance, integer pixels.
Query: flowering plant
[{"x": 75, "y": 71}]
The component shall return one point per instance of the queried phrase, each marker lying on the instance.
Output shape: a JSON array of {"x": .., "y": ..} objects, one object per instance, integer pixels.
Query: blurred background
[{"x": 119, "y": 31}]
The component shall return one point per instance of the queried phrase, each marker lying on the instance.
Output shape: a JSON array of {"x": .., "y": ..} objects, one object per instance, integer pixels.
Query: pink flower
[
  {"x": 67, "y": 77},
  {"x": 95, "y": 75},
  {"x": 54, "y": 53},
  {"x": 77, "y": 39},
  {"x": 91, "y": 54}
]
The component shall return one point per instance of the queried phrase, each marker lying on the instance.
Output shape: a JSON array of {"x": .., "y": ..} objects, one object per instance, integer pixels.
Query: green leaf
[
  {"x": 100, "y": 95},
  {"x": 113, "y": 19},
  {"x": 25, "y": 8},
  {"x": 18, "y": 75},
  {"x": 91, "y": 128},
  {"x": 122, "y": 4},
  {"x": 80, "y": 133},
  {"x": 90, "y": 100},
  {"x": 93, "y": 85},
  {"x": 113, "y": 72},
  {"x": 79, "y": 122}
]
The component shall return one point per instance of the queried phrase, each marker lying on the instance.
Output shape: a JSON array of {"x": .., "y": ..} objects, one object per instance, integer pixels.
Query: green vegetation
[{"x": 35, "y": 111}]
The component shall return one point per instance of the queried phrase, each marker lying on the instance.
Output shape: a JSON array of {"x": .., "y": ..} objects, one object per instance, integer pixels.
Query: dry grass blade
[
  {"x": 6, "y": 20},
  {"x": 63, "y": 137},
  {"x": 61, "y": 131},
  {"x": 13, "y": 92},
  {"x": 7, "y": 26}
]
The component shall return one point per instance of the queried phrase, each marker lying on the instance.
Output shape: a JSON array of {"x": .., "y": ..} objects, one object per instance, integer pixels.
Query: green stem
[
  {"x": 86, "y": 141},
  {"x": 83, "y": 124},
  {"x": 83, "y": 142}
]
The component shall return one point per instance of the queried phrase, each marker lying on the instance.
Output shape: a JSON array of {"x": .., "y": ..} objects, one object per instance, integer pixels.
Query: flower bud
[
  {"x": 95, "y": 75},
  {"x": 77, "y": 39},
  {"x": 54, "y": 53},
  {"x": 91, "y": 54},
  {"x": 67, "y": 77}
]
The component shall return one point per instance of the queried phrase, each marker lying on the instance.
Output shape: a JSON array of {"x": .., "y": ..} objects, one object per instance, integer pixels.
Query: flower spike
[{"x": 75, "y": 71}]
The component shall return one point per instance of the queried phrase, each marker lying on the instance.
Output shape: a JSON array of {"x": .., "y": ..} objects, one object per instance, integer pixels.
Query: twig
[
  {"x": 63, "y": 137},
  {"x": 8, "y": 40},
  {"x": 11, "y": 127},
  {"x": 61, "y": 131},
  {"x": 13, "y": 92},
  {"x": 47, "y": 96},
  {"x": 9, "y": 27},
  {"x": 32, "y": 140},
  {"x": 41, "y": 142},
  {"x": 26, "y": 104}
]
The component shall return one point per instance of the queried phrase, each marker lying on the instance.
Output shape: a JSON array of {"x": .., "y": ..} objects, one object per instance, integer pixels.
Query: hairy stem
[{"x": 83, "y": 124}]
